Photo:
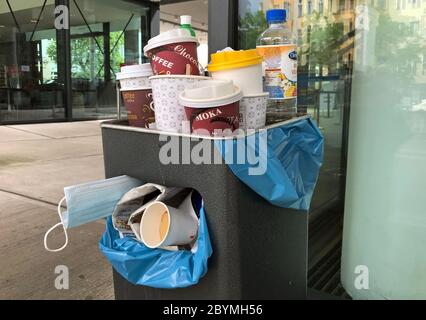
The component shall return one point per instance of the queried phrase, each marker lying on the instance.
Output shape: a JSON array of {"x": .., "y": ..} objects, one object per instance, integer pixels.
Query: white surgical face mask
[{"x": 89, "y": 202}]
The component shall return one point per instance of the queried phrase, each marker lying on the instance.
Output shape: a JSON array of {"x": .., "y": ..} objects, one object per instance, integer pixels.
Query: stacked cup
[
  {"x": 212, "y": 107},
  {"x": 174, "y": 68},
  {"x": 137, "y": 94},
  {"x": 245, "y": 69},
  {"x": 174, "y": 61}
]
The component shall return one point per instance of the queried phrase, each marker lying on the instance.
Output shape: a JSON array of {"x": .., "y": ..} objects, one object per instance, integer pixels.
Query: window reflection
[
  {"x": 324, "y": 32},
  {"x": 378, "y": 36},
  {"x": 29, "y": 86},
  {"x": 100, "y": 44},
  {"x": 367, "y": 57}
]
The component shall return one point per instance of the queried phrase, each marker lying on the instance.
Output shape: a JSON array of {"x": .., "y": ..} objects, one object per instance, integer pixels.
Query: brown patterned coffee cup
[
  {"x": 173, "y": 53},
  {"x": 140, "y": 107}
]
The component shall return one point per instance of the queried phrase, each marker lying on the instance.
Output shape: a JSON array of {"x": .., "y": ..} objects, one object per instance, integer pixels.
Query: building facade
[
  {"x": 361, "y": 76},
  {"x": 59, "y": 58}
]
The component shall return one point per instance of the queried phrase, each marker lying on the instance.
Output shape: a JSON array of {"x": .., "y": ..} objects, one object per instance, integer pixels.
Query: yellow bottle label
[{"x": 280, "y": 70}]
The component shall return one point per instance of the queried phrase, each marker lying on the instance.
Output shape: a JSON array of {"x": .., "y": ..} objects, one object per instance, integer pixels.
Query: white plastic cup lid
[
  {"x": 172, "y": 36},
  {"x": 134, "y": 71},
  {"x": 210, "y": 93}
]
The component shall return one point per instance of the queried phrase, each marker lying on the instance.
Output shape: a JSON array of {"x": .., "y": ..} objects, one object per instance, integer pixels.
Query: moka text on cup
[{"x": 208, "y": 115}]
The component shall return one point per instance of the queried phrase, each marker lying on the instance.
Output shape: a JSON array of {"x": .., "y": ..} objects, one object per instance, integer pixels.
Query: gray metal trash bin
[{"x": 259, "y": 250}]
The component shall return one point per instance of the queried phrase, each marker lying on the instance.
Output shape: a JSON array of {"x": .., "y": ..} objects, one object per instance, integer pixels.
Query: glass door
[
  {"x": 29, "y": 86},
  {"x": 368, "y": 55},
  {"x": 324, "y": 32},
  {"x": 105, "y": 35}
]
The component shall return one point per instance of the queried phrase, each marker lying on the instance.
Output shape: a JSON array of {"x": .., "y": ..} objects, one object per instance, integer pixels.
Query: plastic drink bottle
[
  {"x": 278, "y": 48},
  {"x": 185, "y": 23}
]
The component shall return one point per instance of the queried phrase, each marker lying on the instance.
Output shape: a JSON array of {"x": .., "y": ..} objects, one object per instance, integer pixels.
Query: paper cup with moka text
[{"x": 212, "y": 107}]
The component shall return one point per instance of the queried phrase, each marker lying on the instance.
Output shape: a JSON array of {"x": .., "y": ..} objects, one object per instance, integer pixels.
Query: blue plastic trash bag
[
  {"x": 157, "y": 268},
  {"x": 288, "y": 160}
]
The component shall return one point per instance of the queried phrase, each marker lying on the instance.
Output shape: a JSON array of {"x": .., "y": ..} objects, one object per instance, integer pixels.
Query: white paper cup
[
  {"x": 135, "y": 77},
  {"x": 253, "y": 111},
  {"x": 169, "y": 114},
  {"x": 249, "y": 79},
  {"x": 181, "y": 226}
]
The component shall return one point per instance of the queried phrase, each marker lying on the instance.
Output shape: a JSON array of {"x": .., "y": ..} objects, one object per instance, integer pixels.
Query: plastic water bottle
[
  {"x": 278, "y": 47},
  {"x": 185, "y": 23}
]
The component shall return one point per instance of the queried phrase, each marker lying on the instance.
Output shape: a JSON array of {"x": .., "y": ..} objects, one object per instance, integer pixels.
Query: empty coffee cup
[
  {"x": 135, "y": 76},
  {"x": 212, "y": 107},
  {"x": 163, "y": 226},
  {"x": 169, "y": 114},
  {"x": 137, "y": 94},
  {"x": 253, "y": 111},
  {"x": 173, "y": 52},
  {"x": 244, "y": 67}
]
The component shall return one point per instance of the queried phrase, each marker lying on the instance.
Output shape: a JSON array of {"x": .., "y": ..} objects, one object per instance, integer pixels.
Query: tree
[
  {"x": 87, "y": 61},
  {"x": 325, "y": 40},
  {"x": 398, "y": 48},
  {"x": 250, "y": 27}
]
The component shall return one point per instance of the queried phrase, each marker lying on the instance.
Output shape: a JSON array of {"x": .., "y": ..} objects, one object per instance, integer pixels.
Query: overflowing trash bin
[
  {"x": 259, "y": 247},
  {"x": 203, "y": 198}
]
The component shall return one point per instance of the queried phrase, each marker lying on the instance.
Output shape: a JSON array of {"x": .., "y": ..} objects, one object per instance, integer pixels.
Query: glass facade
[
  {"x": 99, "y": 47},
  {"x": 28, "y": 68},
  {"x": 325, "y": 64},
  {"x": 362, "y": 78},
  {"x": 103, "y": 36}
]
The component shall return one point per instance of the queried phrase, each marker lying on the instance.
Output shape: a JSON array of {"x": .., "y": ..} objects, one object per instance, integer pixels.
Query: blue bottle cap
[{"x": 276, "y": 15}]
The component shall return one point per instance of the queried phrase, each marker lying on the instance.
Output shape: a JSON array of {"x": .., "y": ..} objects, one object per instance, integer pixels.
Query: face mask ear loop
[{"x": 54, "y": 227}]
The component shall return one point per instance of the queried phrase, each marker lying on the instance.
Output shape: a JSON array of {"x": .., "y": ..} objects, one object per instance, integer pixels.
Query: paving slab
[
  {"x": 25, "y": 152},
  {"x": 46, "y": 180},
  {"x": 11, "y": 135},
  {"x": 28, "y": 270},
  {"x": 62, "y": 130},
  {"x": 36, "y": 162}
]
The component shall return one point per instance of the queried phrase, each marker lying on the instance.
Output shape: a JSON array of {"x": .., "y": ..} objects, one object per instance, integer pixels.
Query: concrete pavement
[{"x": 36, "y": 162}]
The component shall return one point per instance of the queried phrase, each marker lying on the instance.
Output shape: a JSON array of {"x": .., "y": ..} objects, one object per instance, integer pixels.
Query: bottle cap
[
  {"x": 185, "y": 20},
  {"x": 276, "y": 15},
  {"x": 230, "y": 59}
]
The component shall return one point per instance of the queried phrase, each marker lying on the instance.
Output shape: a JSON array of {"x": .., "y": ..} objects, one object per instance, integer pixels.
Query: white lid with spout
[
  {"x": 168, "y": 37},
  {"x": 210, "y": 93},
  {"x": 135, "y": 71},
  {"x": 185, "y": 20}
]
